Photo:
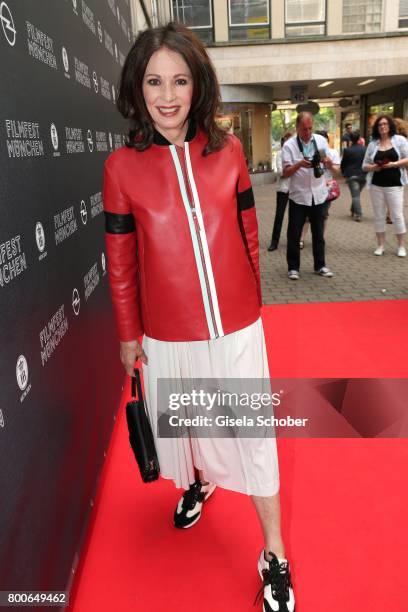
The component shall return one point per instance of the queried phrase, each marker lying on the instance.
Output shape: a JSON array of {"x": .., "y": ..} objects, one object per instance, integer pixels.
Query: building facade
[{"x": 348, "y": 54}]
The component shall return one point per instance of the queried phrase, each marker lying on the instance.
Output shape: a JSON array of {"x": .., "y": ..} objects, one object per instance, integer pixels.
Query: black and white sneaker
[
  {"x": 188, "y": 510},
  {"x": 277, "y": 586},
  {"x": 325, "y": 271},
  {"x": 293, "y": 274}
]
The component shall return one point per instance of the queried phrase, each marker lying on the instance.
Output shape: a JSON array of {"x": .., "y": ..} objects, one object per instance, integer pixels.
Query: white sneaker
[
  {"x": 379, "y": 250},
  {"x": 402, "y": 252},
  {"x": 277, "y": 586},
  {"x": 293, "y": 274}
]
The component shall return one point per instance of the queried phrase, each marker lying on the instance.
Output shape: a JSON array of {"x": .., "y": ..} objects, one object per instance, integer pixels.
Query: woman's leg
[
  {"x": 200, "y": 476},
  {"x": 268, "y": 509},
  {"x": 354, "y": 186},
  {"x": 380, "y": 238},
  {"x": 380, "y": 210},
  {"x": 395, "y": 201}
]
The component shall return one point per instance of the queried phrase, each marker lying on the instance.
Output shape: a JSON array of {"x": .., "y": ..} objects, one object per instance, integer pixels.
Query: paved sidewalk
[{"x": 359, "y": 275}]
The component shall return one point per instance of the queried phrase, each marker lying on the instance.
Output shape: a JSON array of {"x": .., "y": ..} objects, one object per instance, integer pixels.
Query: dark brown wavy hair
[
  {"x": 206, "y": 92},
  {"x": 375, "y": 133}
]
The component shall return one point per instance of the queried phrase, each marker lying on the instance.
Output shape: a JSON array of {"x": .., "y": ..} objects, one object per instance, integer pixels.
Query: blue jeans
[{"x": 356, "y": 185}]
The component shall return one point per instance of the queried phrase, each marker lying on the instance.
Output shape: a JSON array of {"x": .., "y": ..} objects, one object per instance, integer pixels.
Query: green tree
[
  {"x": 282, "y": 121},
  {"x": 285, "y": 121},
  {"x": 325, "y": 120}
]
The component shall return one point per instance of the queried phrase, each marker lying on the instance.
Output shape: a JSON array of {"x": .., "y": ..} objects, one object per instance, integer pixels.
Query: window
[
  {"x": 196, "y": 15},
  {"x": 305, "y": 18},
  {"x": 248, "y": 19},
  {"x": 362, "y": 16},
  {"x": 387, "y": 109},
  {"x": 155, "y": 13},
  {"x": 403, "y": 14}
]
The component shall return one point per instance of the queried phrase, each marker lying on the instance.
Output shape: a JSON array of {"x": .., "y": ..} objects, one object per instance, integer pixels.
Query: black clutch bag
[{"x": 140, "y": 433}]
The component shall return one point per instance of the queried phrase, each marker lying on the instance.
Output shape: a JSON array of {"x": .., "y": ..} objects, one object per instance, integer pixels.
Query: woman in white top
[
  {"x": 386, "y": 160},
  {"x": 282, "y": 196}
]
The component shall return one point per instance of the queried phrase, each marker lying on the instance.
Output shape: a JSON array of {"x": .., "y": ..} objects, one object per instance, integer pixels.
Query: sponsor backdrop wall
[{"x": 60, "y": 373}]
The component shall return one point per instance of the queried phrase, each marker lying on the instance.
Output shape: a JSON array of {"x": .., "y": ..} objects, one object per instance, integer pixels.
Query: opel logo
[
  {"x": 22, "y": 372},
  {"x": 95, "y": 81},
  {"x": 89, "y": 140},
  {"x": 39, "y": 236},
  {"x": 7, "y": 24},
  {"x": 65, "y": 59},
  {"x": 54, "y": 136},
  {"x": 84, "y": 212},
  {"x": 76, "y": 301}
]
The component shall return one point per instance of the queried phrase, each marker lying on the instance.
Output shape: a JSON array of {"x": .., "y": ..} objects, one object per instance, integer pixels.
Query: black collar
[{"x": 159, "y": 139}]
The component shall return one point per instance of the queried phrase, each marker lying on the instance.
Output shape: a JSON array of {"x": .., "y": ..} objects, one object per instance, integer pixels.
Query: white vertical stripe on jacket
[
  {"x": 200, "y": 264},
  {"x": 207, "y": 258}
]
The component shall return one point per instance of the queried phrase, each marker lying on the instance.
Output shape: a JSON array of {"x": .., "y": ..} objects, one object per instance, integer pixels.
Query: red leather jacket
[{"x": 181, "y": 240}]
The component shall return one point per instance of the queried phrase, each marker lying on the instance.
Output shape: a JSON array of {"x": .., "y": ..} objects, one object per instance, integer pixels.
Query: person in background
[
  {"x": 282, "y": 196},
  {"x": 386, "y": 161},
  {"x": 328, "y": 175},
  {"x": 346, "y": 138},
  {"x": 352, "y": 170},
  {"x": 402, "y": 126},
  {"x": 303, "y": 156}
]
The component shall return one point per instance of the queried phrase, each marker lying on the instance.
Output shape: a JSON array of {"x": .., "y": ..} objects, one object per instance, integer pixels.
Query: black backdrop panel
[{"x": 60, "y": 373}]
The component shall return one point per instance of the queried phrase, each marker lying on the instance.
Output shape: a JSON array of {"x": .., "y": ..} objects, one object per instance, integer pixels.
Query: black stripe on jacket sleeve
[
  {"x": 246, "y": 199},
  {"x": 119, "y": 224}
]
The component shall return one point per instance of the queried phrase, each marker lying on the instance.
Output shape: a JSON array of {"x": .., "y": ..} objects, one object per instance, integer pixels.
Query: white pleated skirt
[{"x": 245, "y": 465}]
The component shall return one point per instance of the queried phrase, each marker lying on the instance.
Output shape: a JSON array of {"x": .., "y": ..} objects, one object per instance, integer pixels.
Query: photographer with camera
[{"x": 304, "y": 159}]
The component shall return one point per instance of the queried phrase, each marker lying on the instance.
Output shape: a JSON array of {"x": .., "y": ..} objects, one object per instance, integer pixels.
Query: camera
[{"x": 316, "y": 161}]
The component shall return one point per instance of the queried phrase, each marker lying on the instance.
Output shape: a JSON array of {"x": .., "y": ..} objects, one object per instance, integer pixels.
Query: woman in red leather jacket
[{"x": 182, "y": 248}]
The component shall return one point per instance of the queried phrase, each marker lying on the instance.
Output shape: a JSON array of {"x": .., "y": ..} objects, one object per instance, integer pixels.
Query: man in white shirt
[{"x": 304, "y": 158}]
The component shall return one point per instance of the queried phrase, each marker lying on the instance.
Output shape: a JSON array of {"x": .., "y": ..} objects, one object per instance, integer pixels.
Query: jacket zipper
[{"x": 198, "y": 233}]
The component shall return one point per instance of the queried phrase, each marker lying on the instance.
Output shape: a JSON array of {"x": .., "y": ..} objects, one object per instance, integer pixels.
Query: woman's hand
[
  {"x": 372, "y": 167},
  {"x": 327, "y": 162},
  {"x": 129, "y": 352}
]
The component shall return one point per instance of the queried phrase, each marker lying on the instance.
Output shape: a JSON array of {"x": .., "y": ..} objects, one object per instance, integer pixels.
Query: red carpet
[{"x": 344, "y": 502}]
